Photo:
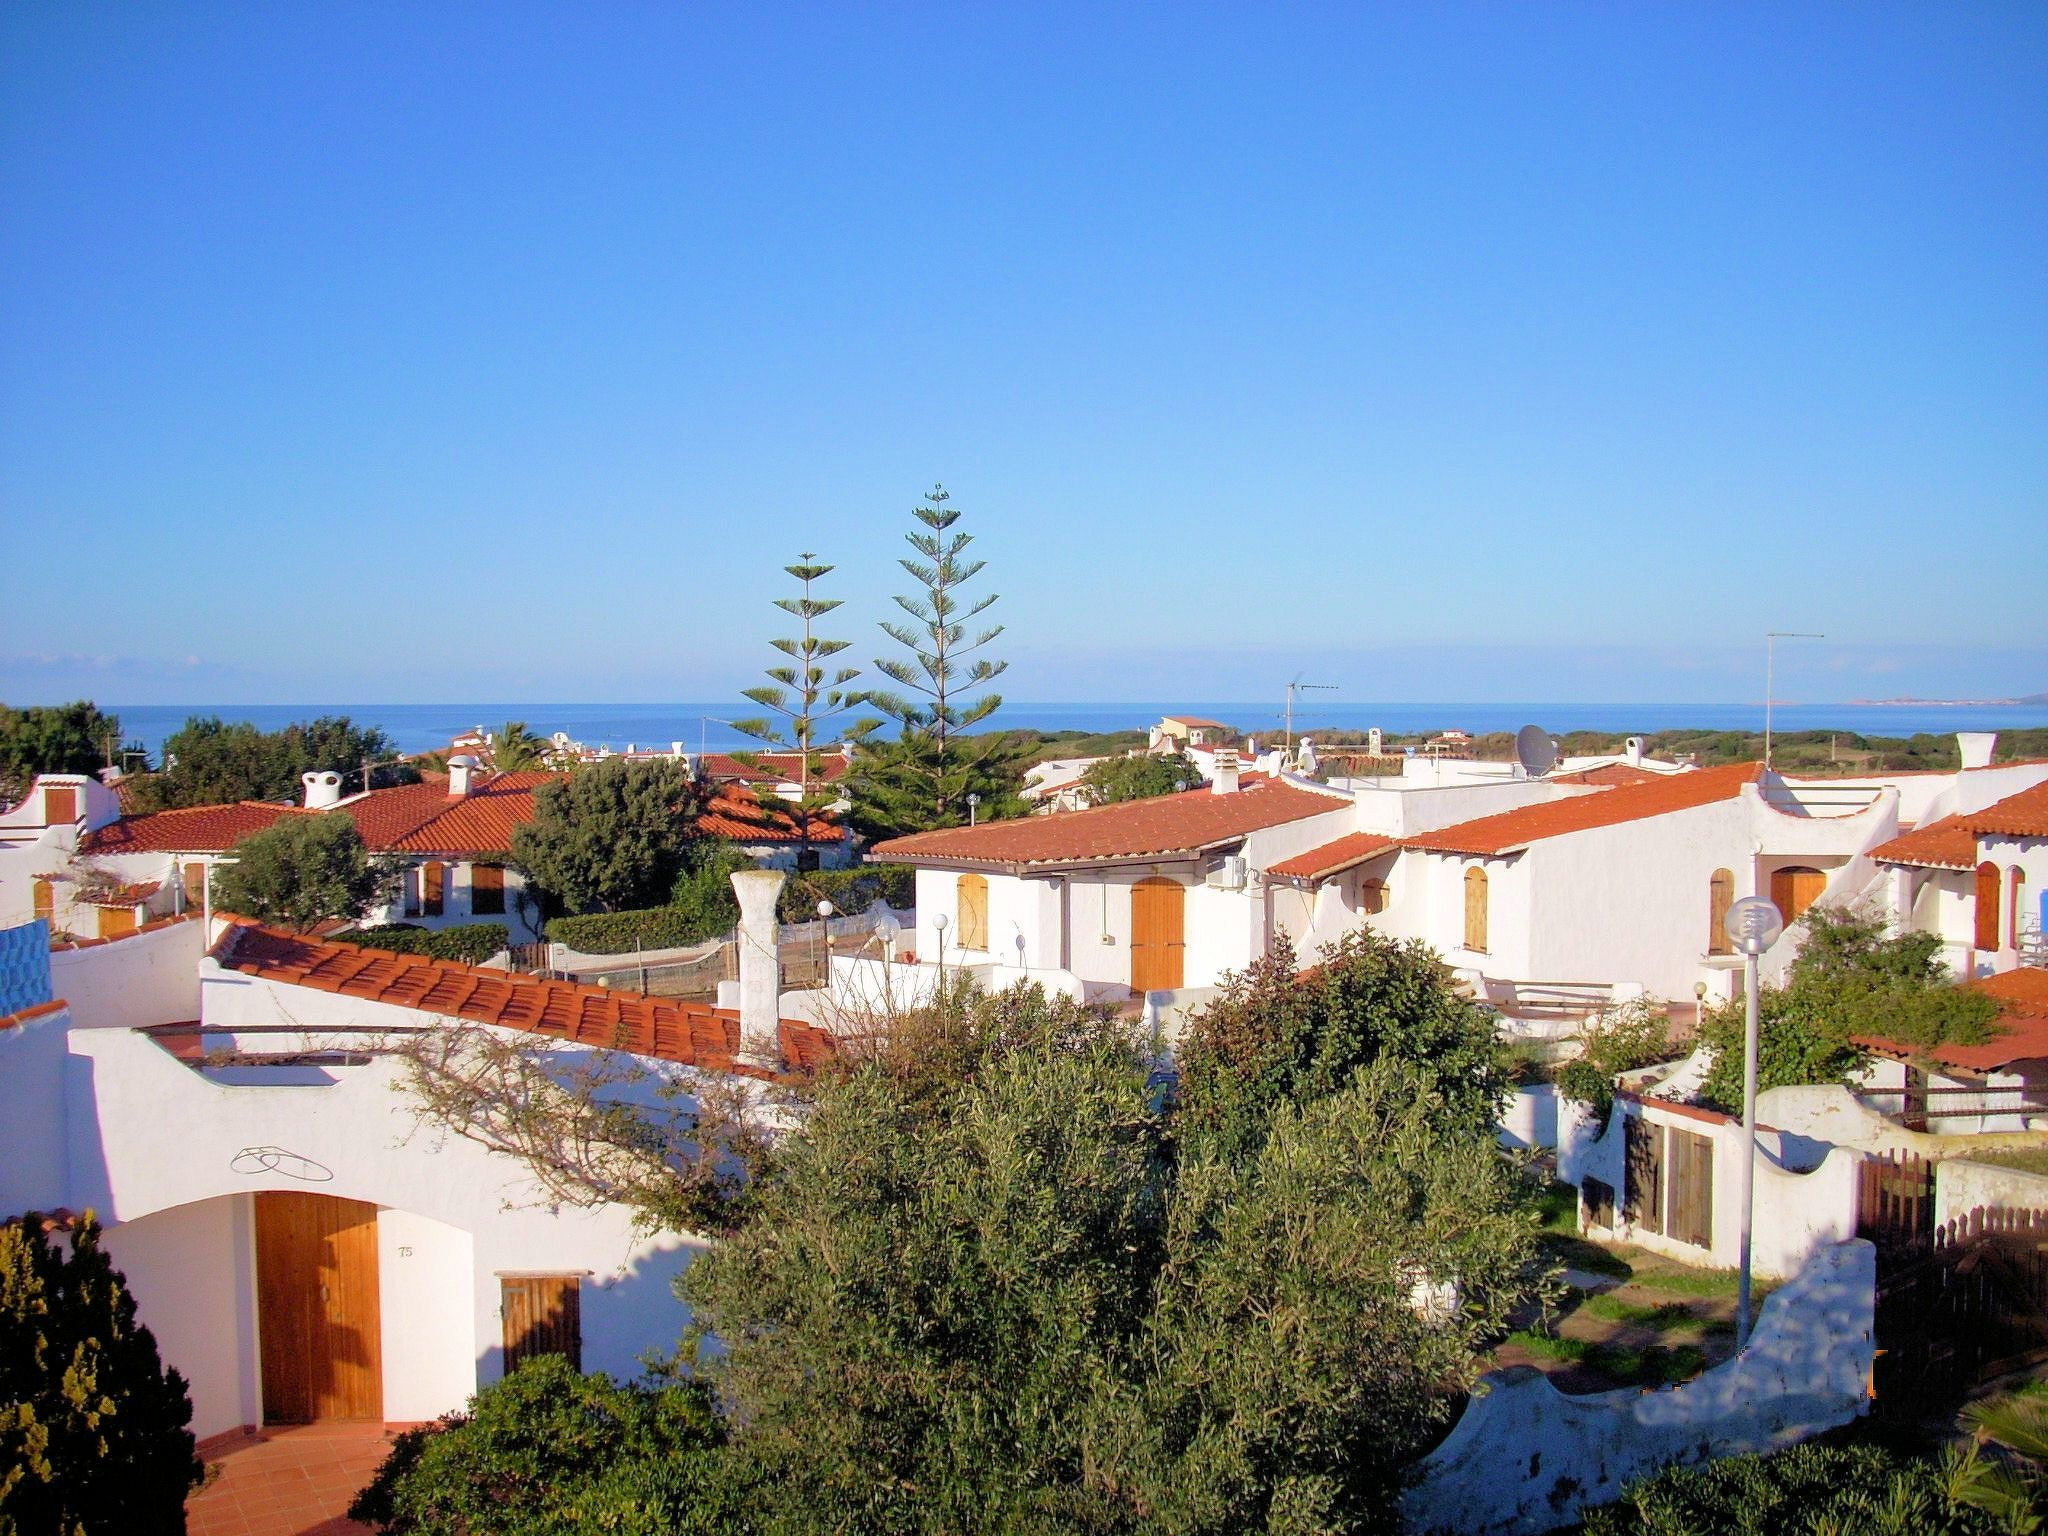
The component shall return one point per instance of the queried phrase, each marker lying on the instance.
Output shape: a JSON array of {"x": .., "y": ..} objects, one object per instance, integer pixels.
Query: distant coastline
[{"x": 2031, "y": 701}]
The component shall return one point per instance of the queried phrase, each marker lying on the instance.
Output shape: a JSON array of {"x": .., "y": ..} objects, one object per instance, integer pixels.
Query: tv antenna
[
  {"x": 1298, "y": 686},
  {"x": 1535, "y": 751},
  {"x": 1771, "y": 639}
]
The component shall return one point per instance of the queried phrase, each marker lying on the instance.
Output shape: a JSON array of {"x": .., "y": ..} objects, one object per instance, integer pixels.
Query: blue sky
[{"x": 409, "y": 353}]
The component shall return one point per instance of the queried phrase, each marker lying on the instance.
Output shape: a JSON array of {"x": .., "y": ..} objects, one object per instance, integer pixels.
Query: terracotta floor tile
[{"x": 288, "y": 1482}]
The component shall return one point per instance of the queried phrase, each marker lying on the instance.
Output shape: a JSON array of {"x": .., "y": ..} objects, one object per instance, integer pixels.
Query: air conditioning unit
[{"x": 1229, "y": 875}]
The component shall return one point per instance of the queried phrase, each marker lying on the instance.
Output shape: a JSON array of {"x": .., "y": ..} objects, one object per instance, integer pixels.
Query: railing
[{"x": 1919, "y": 1105}]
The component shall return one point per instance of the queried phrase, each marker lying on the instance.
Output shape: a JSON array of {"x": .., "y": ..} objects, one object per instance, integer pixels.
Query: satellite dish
[{"x": 1536, "y": 752}]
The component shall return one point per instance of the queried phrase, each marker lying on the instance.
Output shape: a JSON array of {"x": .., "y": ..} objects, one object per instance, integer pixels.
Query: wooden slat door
[
  {"x": 1794, "y": 890},
  {"x": 971, "y": 929},
  {"x": 116, "y": 922},
  {"x": 1475, "y": 910},
  {"x": 317, "y": 1308},
  {"x": 1987, "y": 936},
  {"x": 1158, "y": 935},
  {"x": 543, "y": 1316},
  {"x": 1691, "y": 1163},
  {"x": 1643, "y": 1174},
  {"x": 60, "y": 805}
]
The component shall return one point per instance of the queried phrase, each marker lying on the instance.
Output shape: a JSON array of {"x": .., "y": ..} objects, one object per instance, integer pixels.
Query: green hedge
[
  {"x": 471, "y": 943},
  {"x": 699, "y": 913}
]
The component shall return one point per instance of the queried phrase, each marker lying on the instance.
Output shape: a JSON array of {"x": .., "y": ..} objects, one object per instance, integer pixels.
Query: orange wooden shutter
[
  {"x": 486, "y": 889},
  {"x": 1475, "y": 910},
  {"x": 1987, "y": 905},
  {"x": 543, "y": 1315},
  {"x": 1720, "y": 897},
  {"x": 973, "y": 904},
  {"x": 60, "y": 805},
  {"x": 432, "y": 878}
]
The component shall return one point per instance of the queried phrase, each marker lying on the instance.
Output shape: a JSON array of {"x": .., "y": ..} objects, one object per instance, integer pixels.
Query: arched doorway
[
  {"x": 1158, "y": 923},
  {"x": 1795, "y": 888},
  {"x": 1988, "y": 879},
  {"x": 317, "y": 1307}
]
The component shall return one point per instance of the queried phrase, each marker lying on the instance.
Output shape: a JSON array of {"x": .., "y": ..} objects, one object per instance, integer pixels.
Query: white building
[
  {"x": 301, "y": 1244},
  {"x": 1977, "y": 874}
]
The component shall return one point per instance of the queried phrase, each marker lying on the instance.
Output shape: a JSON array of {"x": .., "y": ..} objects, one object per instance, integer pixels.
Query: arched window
[
  {"x": 44, "y": 896},
  {"x": 1372, "y": 897},
  {"x": 971, "y": 931},
  {"x": 1475, "y": 910},
  {"x": 2019, "y": 902},
  {"x": 1720, "y": 897},
  {"x": 1988, "y": 878}
]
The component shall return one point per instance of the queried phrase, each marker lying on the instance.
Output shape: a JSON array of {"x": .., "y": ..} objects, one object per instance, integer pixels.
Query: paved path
[{"x": 287, "y": 1482}]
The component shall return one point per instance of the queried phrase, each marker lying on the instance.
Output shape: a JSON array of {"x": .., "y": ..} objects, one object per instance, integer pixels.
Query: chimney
[
  {"x": 1375, "y": 742},
  {"x": 461, "y": 769},
  {"x": 760, "y": 968},
  {"x": 675, "y": 749},
  {"x": 1632, "y": 749},
  {"x": 1225, "y": 780},
  {"x": 1305, "y": 755},
  {"x": 323, "y": 790},
  {"x": 1976, "y": 747}
]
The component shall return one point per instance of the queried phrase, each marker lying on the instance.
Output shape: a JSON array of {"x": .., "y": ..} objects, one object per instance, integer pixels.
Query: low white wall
[
  {"x": 143, "y": 979},
  {"x": 1960, "y": 1186},
  {"x": 1527, "y": 1458},
  {"x": 32, "y": 1076},
  {"x": 1531, "y": 1119}
]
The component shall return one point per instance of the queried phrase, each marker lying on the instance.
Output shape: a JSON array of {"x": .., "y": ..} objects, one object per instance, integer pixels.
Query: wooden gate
[
  {"x": 1158, "y": 946},
  {"x": 1960, "y": 1307},
  {"x": 317, "y": 1308},
  {"x": 543, "y": 1316},
  {"x": 1895, "y": 1201}
]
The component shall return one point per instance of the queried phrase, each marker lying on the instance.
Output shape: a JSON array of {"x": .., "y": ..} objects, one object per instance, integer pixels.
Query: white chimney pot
[
  {"x": 1976, "y": 747},
  {"x": 1225, "y": 780},
  {"x": 760, "y": 968},
  {"x": 323, "y": 790},
  {"x": 461, "y": 772}
]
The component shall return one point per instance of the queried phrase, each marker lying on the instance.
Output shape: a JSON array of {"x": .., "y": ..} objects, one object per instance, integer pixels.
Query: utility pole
[
  {"x": 1771, "y": 639},
  {"x": 1298, "y": 686}
]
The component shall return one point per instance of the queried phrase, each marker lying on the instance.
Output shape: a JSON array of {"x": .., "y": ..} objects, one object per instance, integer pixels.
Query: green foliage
[
  {"x": 549, "y": 1452},
  {"x": 801, "y": 698},
  {"x": 620, "y": 933},
  {"x": 515, "y": 749},
  {"x": 1633, "y": 1034},
  {"x": 210, "y": 762},
  {"x": 1849, "y": 979},
  {"x": 1808, "y": 1490},
  {"x": 905, "y": 786},
  {"x": 611, "y": 836},
  {"x": 1140, "y": 778},
  {"x": 2014, "y": 1485},
  {"x": 94, "y": 1432},
  {"x": 471, "y": 943},
  {"x": 1272, "y": 1037},
  {"x": 851, "y": 891},
  {"x": 53, "y": 738},
  {"x": 301, "y": 871}
]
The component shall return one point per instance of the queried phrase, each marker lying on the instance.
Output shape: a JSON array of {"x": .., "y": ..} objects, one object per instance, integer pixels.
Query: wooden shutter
[
  {"x": 318, "y": 1312},
  {"x": 1987, "y": 905},
  {"x": 1643, "y": 1189},
  {"x": 543, "y": 1316},
  {"x": 432, "y": 878},
  {"x": 1158, "y": 935},
  {"x": 116, "y": 922},
  {"x": 44, "y": 897},
  {"x": 972, "y": 928},
  {"x": 1475, "y": 910},
  {"x": 1720, "y": 897},
  {"x": 1691, "y": 1162},
  {"x": 60, "y": 805},
  {"x": 2019, "y": 902},
  {"x": 195, "y": 884},
  {"x": 1373, "y": 897},
  {"x": 1794, "y": 889},
  {"x": 486, "y": 890}
]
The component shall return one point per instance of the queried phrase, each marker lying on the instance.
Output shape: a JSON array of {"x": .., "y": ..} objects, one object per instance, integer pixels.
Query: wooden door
[
  {"x": 1987, "y": 905},
  {"x": 543, "y": 1316},
  {"x": 433, "y": 878},
  {"x": 60, "y": 805},
  {"x": 1691, "y": 1161},
  {"x": 486, "y": 890},
  {"x": 195, "y": 885},
  {"x": 1642, "y": 1191},
  {"x": 1475, "y": 910},
  {"x": 971, "y": 931},
  {"x": 1158, "y": 926},
  {"x": 1794, "y": 889},
  {"x": 44, "y": 896},
  {"x": 317, "y": 1308},
  {"x": 1720, "y": 897},
  {"x": 116, "y": 922}
]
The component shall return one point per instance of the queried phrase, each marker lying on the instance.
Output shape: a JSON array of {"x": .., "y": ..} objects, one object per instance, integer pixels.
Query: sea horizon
[{"x": 706, "y": 725}]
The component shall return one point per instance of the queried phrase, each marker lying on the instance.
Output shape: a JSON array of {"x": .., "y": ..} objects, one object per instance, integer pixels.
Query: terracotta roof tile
[
  {"x": 194, "y": 829},
  {"x": 774, "y": 767},
  {"x": 39, "y": 1011},
  {"x": 688, "y": 1033},
  {"x": 2022, "y": 1026},
  {"x": 1333, "y": 858},
  {"x": 1945, "y": 844},
  {"x": 129, "y": 895},
  {"x": 2022, "y": 815},
  {"x": 1509, "y": 830},
  {"x": 1607, "y": 775},
  {"x": 1198, "y": 722},
  {"x": 739, "y": 817},
  {"x": 1183, "y": 823},
  {"x": 162, "y": 922}
]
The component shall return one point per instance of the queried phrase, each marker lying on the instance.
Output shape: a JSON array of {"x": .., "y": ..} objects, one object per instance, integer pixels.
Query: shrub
[
  {"x": 618, "y": 933},
  {"x": 549, "y": 1452},
  {"x": 850, "y": 890},
  {"x": 705, "y": 908},
  {"x": 301, "y": 871},
  {"x": 471, "y": 943},
  {"x": 1633, "y": 1034},
  {"x": 94, "y": 1431}
]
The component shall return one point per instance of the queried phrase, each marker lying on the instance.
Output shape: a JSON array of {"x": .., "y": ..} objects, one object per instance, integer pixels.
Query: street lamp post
[
  {"x": 1754, "y": 924},
  {"x": 940, "y": 924},
  {"x": 825, "y": 910},
  {"x": 973, "y": 807}
]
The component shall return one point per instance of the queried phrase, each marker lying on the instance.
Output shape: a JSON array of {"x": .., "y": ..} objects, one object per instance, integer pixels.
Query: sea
[{"x": 706, "y": 726}]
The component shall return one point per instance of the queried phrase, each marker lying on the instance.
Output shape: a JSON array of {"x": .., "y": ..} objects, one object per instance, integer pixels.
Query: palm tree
[
  {"x": 2015, "y": 1488},
  {"x": 515, "y": 749}
]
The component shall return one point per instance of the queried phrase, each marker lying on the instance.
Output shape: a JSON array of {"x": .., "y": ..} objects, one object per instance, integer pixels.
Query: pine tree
[
  {"x": 805, "y": 697},
  {"x": 924, "y": 778}
]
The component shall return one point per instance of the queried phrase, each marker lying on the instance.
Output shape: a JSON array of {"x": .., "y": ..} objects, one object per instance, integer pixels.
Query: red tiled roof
[
  {"x": 123, "y": 895},
  {"x": 194, "y": 829},
  {"x": 1187, "y": 822},
  {"x": 1607, "y": 775},
  {"x": 162, "y": 922},
  {"x": 481, "y": 821},
  {"x": 774, "y": 767},
  {"x": 1945, "y": 844},
  {"x": 1510, "y": 830},
  {"x": 2022, "y": 1025},
  {"x": 2022, "y": 815},
  {"x": 1198, "y": 722},
  {"x": 688, "y": 1033},
  {"x": 741, "y": 818},
  {"x": 1319, "y": 864}
]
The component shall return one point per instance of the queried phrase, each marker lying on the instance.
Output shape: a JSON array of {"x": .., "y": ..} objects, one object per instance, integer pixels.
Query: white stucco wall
[
  {"x": 426, "y": 1277},
  {"x": 130, "y": 983},
  {"x": 32, "y": 1078},
  {"x": 1961, "y": 1186},
  {"x": 1526, "y": 1458}
]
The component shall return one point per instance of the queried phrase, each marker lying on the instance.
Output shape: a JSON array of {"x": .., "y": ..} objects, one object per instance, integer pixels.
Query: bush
[
  {"x": 300, "y": 872},
  {"x": 618, "y": 933},
  {"x": 705, "y": 908},
  {"x": 1633, "y": 1034},
  {"x": 471, "y": 943},
  {"x": 549, "y": 1452},
  {"x": 94, "y": 1432},
  {"x": 850, "y": 890}
]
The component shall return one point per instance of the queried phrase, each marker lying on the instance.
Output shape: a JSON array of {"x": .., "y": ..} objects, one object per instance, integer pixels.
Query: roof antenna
[{"x": 1298, "y": 686}]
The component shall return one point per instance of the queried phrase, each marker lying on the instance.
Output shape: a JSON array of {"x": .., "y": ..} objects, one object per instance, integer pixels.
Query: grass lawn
[{"x": 2025, "y": 1159}]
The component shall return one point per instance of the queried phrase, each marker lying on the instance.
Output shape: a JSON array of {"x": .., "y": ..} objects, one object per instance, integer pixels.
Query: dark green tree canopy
[
  {"x": 515, "y": 749},
  {"x": 211, "y": 762},
  {"x": 611, "y": 836},
  {"x": 1140, "y": 777},
  {"x": 54, "y": 738},
  {"x": 95, "y": 1433},
  {"x": 301, "y": 871}
]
